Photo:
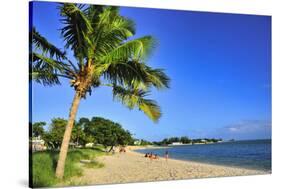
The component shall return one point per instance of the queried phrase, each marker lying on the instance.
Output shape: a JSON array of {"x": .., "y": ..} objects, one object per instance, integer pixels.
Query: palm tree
[{"x": 105, "y": 55}]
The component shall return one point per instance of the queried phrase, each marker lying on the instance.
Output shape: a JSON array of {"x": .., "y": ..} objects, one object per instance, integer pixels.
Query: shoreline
[
  {"x": 211, "y": 164},
  {"x": 132, "y": 167},
  {"x": 191, "y": 161}
]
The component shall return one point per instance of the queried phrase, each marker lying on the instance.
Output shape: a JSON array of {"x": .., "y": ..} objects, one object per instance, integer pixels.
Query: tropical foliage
[{"x": 105, "y": 54}]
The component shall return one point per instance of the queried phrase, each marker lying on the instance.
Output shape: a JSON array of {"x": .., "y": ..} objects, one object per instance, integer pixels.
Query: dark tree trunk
[{"x": 110, "y": 148}]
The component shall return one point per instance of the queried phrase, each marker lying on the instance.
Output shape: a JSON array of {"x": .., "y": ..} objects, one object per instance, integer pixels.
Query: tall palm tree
[{"x": 105, "y": 55}]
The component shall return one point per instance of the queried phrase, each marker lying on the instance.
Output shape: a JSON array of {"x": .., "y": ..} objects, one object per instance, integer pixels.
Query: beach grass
[
  {"x": 94, "y": 164},
  {"x": 44, "y": 164}
]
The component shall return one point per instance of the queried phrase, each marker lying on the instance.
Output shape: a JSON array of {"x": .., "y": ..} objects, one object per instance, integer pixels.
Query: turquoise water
[{"x": 252, "y": 154}]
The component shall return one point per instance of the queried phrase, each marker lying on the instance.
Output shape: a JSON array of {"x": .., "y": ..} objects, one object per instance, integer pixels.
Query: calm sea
[{"x": 251, "y": 154}]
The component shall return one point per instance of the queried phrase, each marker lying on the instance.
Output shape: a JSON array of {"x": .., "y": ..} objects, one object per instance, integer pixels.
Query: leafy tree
[
  {"x": 53, "y": 137},
  {"x": 105, "y": 55},
  {"x": 145, "y": 142},
  {"x": 124, "y": 137},
  {"x": 78, "y": 136},
  {"x": 109, "y": 133},
  {"x": 175, "y": 139},
  {"x": 87, "y": 126},
  {"x": 185, "y": 140},
  {"x": 165, "y": 141},
  {"x": 37, "y": 129},
  {"x": 157, "y": 143}
]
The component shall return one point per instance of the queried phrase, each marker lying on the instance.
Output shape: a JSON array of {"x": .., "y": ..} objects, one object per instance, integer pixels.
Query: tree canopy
[
  {"x": 53, "y": 137},
  {"x": 37, "y": 129},
  {"x": 107, "y": 132},
  {"x": 96, "y": 130}
]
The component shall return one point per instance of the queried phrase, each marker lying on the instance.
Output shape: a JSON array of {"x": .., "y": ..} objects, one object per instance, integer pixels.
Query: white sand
[{"x": 134, "y": 167}]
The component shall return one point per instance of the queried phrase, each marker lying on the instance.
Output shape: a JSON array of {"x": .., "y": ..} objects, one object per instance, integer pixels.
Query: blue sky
[{"x": 220, "y": 70}]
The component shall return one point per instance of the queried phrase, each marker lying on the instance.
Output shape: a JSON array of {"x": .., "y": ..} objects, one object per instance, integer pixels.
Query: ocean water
[{"x": 251, "y": 154}]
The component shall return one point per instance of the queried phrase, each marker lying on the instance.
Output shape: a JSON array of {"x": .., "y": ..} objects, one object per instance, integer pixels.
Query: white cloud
[{"x": 247, "y": 129}]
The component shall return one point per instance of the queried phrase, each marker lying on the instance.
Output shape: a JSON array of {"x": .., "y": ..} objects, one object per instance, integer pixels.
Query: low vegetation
[
  {"x": 94, "y": 164},
  {"x": 44, "y": 164}
]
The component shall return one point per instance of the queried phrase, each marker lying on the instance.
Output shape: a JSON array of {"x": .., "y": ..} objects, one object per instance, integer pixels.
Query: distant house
[
  {"x": 176, "y": 143},
  {"x": 89, "y": 145},
  {"x": 203, "y": 141},
  {"x": 137, "y": 142},
  {"x": 38, "y": 144}
]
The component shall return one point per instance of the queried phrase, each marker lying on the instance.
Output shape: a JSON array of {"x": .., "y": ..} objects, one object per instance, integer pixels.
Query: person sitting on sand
[
  {"x": 146, "y": 155},
  {"x": 121, "y": 149},
  {"x": 150, "y": 156}
]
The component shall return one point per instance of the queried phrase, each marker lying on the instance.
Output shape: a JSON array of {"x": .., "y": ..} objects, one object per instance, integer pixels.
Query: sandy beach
[{"x": 134, "y": 167}]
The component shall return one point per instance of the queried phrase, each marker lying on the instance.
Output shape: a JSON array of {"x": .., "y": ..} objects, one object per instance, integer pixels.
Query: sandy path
[{"x": 133, "y": 167}]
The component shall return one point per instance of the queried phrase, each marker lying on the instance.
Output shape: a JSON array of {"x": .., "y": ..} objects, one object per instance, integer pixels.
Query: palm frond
[
  {"x": 113, "y": 34},
  {"x": 135, "y": 74},
  {"x": 124, "y": 72},
  {"x": 110, "y": 28},
  {"x": 150, "y": 108},
  {"x": 76, "y": 30},
  {"x": 157, "y": 78},
  {"x": 42, "y": 72},
  {"x": 41, "y": 43},
  {"x": 46, "y": 70},
  {"x": 133, "y": 98},
  {"x": 136, "y": 49},
  {"x": 41, "y": 61},
  {"x": 45, "y": 77}
]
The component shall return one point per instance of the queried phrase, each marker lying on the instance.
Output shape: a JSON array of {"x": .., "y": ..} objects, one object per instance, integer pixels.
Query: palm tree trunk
[
  {"x": 67, "y": 135},
  {"x": 110, "y": 148}
]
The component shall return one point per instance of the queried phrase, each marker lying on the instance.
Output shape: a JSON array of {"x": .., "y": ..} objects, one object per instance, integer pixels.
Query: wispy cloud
[{"x": 246, "y": 129}]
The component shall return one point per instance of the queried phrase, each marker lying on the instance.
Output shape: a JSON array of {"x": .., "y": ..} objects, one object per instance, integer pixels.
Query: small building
[
  {"x": 89, "y": 145},
  {"x": 137, "y": 142},
  {"x": 176, "y": 143},
  {"x": 38, "y": 144},
  {"x": 203, "y": 141}
]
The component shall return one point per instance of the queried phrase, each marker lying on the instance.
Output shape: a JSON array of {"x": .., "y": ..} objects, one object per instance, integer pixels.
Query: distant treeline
[
  {"x": 185, "y": 140},
  {"x": 98, "y": 131}
]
